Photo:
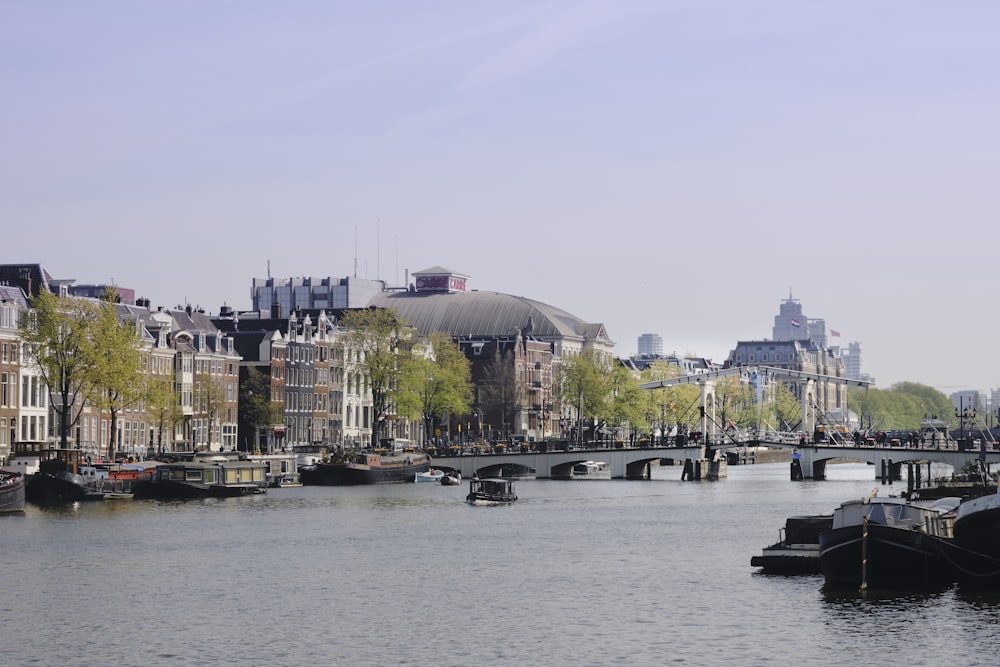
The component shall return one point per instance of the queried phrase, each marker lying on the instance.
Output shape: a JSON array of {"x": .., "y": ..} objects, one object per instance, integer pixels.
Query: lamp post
[
  {"x": 479, "y": 413},
  {"x": 965, "y": 416}
]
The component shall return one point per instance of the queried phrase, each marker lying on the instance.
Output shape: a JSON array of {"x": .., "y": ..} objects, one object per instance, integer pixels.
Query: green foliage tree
[
  {"x": 384, "y": 341},
  {"x": 116, "y": 376},
  {"x": 57, "y": 338},
  {"x": 674, "y": 404},
  {"x": 163, "y": 407},
  {"x": 630, "y": 405},
  {"x": 783, "y": 408},
  {"x": 436, "y": 383},
  {"x": 901, "y": 407},
  {"x": 257, "y": 409},
  {"x": 584, "y": 383}
]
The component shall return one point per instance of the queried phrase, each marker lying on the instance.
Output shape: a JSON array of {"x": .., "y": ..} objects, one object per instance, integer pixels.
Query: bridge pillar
[{"x": 819, "y": 470}]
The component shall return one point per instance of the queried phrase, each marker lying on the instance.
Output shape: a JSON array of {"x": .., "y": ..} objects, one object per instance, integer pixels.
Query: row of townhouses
[{"x": 291, "y": 337}]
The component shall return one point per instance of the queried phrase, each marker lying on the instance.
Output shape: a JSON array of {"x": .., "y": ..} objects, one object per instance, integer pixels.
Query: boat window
[
  {"x": 210, "y": 477},
  {"x": 192, "y": 475}
]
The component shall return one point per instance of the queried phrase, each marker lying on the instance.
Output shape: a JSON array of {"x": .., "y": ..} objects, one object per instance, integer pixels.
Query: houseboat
[
  {"x": 368, "y": 467},
  {"x": 209, "y": 475}
]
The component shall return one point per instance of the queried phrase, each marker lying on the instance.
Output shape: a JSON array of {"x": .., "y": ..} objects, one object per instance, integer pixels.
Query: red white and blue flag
[
  {"x": 834, "y": 332},
  {"x": 795, "y": 323}
]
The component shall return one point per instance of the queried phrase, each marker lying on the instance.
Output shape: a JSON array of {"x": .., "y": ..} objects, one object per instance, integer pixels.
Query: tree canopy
[
  {"x": 900, "y": 407},
  {"x": 384, "y": 343}
]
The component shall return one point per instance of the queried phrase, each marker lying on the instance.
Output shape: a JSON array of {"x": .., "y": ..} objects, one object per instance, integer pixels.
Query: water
[{"x": 585, "y": 572}]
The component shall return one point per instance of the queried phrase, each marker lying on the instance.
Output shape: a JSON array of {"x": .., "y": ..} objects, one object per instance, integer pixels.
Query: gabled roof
[{"x": 15, "y": 295}]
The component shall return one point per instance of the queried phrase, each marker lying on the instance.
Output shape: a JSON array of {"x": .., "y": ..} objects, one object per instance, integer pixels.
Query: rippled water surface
[{"x": 583, "y": 572}]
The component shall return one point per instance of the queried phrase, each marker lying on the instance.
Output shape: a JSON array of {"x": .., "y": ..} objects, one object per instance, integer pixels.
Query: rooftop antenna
[{"x": 268, "y": 268}]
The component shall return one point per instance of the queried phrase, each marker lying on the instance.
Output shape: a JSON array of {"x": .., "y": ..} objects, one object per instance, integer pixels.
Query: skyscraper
[{"x": 650, "y": 345}]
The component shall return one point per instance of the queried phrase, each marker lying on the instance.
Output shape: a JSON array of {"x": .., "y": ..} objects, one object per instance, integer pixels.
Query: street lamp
[{"x": 965, "y": 416}]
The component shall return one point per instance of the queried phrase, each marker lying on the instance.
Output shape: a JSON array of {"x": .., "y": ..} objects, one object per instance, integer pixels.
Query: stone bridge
[
  {"x": 625, "y": 463},
  {"x": 888, "y": 461}
]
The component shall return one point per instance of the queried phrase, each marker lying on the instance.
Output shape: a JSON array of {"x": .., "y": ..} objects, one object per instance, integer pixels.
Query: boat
[
  {"x": 589, "y": 468},
  {"x": 491, "y": 491},
  {"x": 453, "y": 478},
  {"x": 368, "y": 467},
  {"x": 888, "y": 544},
  {"x": 212, "y": 475},
  {"x": 281, "y": 469},
  {"x": 797, "y": 548},
  {"x": 11, "y": 492},
  {"x": 114, "y": 481},
  {"x": 431, "y": 475},
  {"x": 977, "y": 524},
  {"x": 58, "y": 480}
]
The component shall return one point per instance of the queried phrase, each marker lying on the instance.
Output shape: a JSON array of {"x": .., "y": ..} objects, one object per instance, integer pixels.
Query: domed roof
[{"x": 478, "y": 314}]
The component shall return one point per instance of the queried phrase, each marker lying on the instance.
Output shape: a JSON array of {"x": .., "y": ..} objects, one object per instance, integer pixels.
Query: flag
[
  {"x": 834, "y": 332},
  {"x": 795, "y": 323}
]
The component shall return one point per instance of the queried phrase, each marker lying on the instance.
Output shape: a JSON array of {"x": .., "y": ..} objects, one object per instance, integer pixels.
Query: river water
[{"x": 582, "y": 572}]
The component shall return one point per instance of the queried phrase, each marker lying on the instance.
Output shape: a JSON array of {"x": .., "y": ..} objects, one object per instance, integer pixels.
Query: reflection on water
[{"x": 584, "y": 573}]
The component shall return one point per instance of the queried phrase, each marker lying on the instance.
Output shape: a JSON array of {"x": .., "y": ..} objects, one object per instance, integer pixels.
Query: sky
[{"x": 659, "y": 166}]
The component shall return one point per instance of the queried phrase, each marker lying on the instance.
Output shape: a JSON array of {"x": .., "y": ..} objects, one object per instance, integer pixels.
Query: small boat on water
[
  {"x": 368, "y": 467},
  {"x": 589, "y": 468},
  {"x": 432, "y": 475},
  {"x": 491, "y": 491},
  {"x": 797, "y": 548},
  {"x": 11, "y": 492},
  {"x": 452, "y": 479},
  {"x": 887, "y": 543},
  {"x": 210, "y": 475}
]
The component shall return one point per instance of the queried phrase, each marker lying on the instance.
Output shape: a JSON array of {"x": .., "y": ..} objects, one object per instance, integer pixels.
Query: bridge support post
[{"x": 819, "y": 470}]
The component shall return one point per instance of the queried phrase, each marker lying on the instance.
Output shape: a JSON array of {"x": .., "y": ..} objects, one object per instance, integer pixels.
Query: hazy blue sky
[{"x": 674, "y": 167}]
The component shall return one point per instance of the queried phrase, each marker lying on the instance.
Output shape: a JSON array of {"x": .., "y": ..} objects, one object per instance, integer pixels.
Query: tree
[
  {"x": 502, "y": 394},
  {"x": 584, "y": 382},
  {"x": 437, "y": 383},
  {"x": 673, "y": 404},
  {"x": 900, "y": 407},
  {"x": 117, "y": 379},
  {"x": 784, "y": 408},
  {"x": 210, "y": 400},
  {"x": 629, "y": 403},
  {"x": 257, "y": 410},
  {"x": 58, "y": 338},
  {"x": 162, "y": 405},
  {"x": 383, "y": 342}
]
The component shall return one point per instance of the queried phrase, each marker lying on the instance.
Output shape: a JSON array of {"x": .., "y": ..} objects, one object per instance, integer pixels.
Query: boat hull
[
  {"x": 491, "y": 492},
  {"x": 887, "y": 558},
  {"x": 353, "y": 474},
  {"x": 789, "y": 559},
  {"x": 12, "y": 493},
  {"x": 977, "y": 525},
  {"x": 798, "y": 550},
  {"x": 59, "y": 488},
  {"x": 179, "y": 490}
]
